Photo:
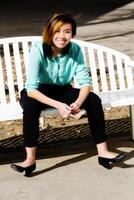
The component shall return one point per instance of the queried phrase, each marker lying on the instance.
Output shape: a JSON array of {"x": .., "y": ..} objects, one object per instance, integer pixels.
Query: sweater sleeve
[
  {"x": 81, "y": 73},
  {"x": 34, "y": 66}
]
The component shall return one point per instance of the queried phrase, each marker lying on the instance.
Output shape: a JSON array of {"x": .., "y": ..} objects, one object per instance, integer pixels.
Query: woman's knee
[
  {"x": 93, "y": 98},
  {"x": 27, "y": 103}
]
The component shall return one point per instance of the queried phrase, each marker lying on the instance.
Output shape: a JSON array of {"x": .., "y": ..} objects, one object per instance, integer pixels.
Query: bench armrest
[{"x": 131, "y": 63}]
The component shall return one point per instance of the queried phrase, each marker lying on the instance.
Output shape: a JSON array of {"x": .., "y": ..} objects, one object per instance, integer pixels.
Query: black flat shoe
[
  {"x": 28, "y": 170},
  {"x": 105, "y": 162}
]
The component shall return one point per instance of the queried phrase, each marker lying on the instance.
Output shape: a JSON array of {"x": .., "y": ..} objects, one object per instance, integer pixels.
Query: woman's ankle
[
  {"x": 27, "y": 162},
  {"x": 107, "y": 154}
]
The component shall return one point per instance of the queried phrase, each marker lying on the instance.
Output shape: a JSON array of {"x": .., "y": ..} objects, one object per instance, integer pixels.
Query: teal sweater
[{"x": 58, "y": 70}]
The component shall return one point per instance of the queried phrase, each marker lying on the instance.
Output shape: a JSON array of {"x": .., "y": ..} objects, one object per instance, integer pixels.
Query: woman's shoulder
[
  {"x": 37, "y": 46},
  {"x": 74, "y": 47}
]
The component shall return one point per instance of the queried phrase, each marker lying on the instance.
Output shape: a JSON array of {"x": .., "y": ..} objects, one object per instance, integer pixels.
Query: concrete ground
[
  {"x": 113, "y": 29},
  {"x": 72, "y": 172},
  {"x": 75, "y": 173}
]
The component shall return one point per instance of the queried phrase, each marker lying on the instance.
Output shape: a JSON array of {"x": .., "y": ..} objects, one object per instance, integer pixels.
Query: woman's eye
[
  {"x": 67, "y": 31},
  {"x": 58, "y": 31}
]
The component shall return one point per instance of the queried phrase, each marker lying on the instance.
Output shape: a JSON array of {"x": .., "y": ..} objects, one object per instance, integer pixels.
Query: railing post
[{"x": 132, "y": 120}]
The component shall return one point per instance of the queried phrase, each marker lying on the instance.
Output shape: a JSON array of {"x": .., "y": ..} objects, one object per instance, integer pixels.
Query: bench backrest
[{"x": 108, "y": 68}]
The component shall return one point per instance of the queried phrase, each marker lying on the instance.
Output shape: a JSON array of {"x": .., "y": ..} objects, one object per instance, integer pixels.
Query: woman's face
[{"x": 62, "y": 36}]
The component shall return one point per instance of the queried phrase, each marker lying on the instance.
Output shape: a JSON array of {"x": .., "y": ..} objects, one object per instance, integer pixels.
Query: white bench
[{"x": 111, "y": 73}]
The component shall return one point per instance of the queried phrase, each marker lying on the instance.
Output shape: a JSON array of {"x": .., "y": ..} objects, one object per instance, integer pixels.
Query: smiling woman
[
  {"x": 61, "y": 38},
  {"x": 58, "y": 33},
  {"x": 52, "y": 66}
]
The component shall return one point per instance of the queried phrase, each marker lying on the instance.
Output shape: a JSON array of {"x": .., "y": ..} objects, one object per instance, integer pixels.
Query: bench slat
[
  {"x": 102, "y": 70},
  {"x": 18, "y": 66},
  {"x": 129, "y": 75},
  {"x": 120, "y": 72},
  {"x": 9, "y": 73},
  {"x": 25, "y": 53},
  {"x": 2, "y": 88},
  {"x": 113, "y": 86},
  {"x": 93, "y": 69}
]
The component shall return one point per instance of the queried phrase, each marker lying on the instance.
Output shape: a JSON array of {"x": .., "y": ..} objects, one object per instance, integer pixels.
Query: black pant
[{"x": 32, "y": 109}]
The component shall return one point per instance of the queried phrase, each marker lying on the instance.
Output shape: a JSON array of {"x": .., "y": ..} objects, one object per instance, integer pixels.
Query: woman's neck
[{"x": 56, "y": 51}]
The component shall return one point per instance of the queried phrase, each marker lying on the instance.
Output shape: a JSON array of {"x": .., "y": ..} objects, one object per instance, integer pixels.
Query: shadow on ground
[
  {"x": 85, "y": 150},
  {"x": 28, "y": 18},
  {"x": 70, "y": 140}
]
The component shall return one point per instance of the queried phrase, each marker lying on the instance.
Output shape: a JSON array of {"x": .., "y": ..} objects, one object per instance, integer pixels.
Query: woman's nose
[{"x": 62, "y": 34}]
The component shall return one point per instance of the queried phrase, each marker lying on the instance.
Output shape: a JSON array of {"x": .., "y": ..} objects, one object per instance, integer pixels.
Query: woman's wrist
[
  {"x": 56, "y": 104},
  {"x": 78, "y": 103}
]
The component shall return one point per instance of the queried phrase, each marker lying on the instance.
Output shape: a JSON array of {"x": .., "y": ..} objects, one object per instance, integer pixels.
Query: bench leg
[{"x": 132, "y": 120}]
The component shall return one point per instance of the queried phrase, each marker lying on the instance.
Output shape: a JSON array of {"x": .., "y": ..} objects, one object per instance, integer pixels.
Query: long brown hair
[{"x": 55, "y": 23}]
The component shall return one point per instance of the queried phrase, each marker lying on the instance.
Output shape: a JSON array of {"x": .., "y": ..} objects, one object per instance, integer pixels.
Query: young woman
[{"x": 52, "y": 66}]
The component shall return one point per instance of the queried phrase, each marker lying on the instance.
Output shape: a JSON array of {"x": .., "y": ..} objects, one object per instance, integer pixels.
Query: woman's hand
[
  {"x": 75, "y": 108},
  {"x": 64, "y": 110},
  {"x": 84, "y": 92}
]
